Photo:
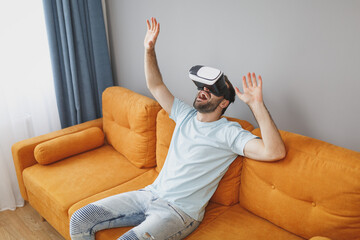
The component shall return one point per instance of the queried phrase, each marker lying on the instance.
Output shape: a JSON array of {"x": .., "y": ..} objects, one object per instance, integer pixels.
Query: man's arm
[
  {"x": 270, "y": 147},
  {"x": 152, "y": 73}
]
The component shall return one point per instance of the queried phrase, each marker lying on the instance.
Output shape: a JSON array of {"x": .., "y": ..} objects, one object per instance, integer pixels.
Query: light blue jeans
[{"x": 153, "y": 217}]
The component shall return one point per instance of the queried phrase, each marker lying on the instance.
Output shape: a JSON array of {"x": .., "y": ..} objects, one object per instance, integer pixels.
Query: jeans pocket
[{"x": 179, "y": 213}]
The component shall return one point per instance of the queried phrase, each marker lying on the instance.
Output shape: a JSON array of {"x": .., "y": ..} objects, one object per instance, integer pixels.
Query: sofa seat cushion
[
  {"x": 61, "y": 184},
  {"x": 136, "y": 183},
  {"x": 238, "y": 223},
  {"x": 212, "y": 211}
]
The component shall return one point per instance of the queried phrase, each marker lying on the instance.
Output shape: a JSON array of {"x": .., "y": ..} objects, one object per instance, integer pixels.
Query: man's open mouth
[{"x": 203, "y": 96}]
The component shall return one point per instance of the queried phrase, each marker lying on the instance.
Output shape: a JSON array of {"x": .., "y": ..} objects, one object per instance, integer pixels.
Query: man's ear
[{"x": 224, "y": 103}]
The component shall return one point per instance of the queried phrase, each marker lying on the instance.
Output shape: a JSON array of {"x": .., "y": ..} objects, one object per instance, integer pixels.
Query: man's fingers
[
  {"x": 253, "y": 79},
  {"x": 150, "y": 26},
  {"x": 155, "y": 24},
  {"x": 250, "y": 84},
  {"x": 238, "y": 93},
  {"x": 244, "y": 82},
  {"x": 157, "y": 28},
  {"x": 260, "y": 81}
]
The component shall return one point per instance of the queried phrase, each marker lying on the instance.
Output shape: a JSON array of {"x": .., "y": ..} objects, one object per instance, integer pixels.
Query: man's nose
[{"x": 206, "y": 89}]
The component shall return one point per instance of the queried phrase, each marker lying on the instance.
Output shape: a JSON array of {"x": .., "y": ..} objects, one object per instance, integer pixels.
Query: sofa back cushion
[
  {"x": 227, "y": 192},
  {"x": 315, "y": 190},
  {"x": 129, "y": 124},
  {"x": 164, "y": 129}
]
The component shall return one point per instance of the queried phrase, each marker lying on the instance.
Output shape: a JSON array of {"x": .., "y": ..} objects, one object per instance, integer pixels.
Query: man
[{"x": 202, "y": 148}]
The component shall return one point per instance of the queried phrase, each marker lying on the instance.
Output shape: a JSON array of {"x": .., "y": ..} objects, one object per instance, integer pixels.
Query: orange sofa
[{"x": 313, "y": 193}]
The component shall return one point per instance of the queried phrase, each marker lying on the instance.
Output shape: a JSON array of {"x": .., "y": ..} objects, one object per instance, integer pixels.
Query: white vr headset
[{"x": 211, "y": 78}]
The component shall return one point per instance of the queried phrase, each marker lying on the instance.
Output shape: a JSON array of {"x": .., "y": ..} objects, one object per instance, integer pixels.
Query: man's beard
[{"x": 207, "y": 107}]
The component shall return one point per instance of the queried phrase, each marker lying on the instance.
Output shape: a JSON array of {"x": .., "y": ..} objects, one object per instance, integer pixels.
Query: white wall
[{"x": 308, "y": 53}]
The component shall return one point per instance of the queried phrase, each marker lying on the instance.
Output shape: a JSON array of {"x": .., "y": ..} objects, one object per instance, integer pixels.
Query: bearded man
[{"x": 203, "y": 146}]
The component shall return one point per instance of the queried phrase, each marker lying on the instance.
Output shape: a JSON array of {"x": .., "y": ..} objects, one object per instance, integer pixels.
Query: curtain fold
[
  {"x": 27, "y": 97},
  {"x": 9, "y": 189},
  {"x": 79, "y": 56}
]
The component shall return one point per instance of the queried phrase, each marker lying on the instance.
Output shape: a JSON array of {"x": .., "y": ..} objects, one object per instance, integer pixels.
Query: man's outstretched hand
[
  {"x": 271, "y": 147},
  {"x": 252, "y": 90},
  {"x": 152, "y": 33}
]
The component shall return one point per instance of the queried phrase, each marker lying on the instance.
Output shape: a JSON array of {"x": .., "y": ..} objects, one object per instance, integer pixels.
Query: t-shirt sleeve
[
  {"x": 179, "y": 110},
  {"x": 238, "y": 137}
]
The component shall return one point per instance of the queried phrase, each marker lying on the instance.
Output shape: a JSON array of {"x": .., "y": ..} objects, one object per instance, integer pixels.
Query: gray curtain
[{"x": 79, "y": 57}]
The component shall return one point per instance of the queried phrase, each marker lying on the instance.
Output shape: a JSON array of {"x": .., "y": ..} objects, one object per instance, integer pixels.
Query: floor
[{"x": 25, "y": 224}]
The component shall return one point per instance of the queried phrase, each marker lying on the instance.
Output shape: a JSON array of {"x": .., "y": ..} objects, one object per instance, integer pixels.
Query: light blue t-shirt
[{"x": 199, "y": 155}]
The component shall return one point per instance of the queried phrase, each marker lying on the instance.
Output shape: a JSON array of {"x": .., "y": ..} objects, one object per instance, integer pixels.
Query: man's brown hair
[{"x": 231, "y": 93}]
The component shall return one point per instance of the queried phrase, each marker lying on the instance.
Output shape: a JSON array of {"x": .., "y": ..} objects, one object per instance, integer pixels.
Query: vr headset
[{"x": 211, "y": 78}]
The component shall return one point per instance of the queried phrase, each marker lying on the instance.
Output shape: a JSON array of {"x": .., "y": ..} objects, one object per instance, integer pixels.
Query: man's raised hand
[
  {"x": 152, "y": 33},
  {"x": 252, "y": 90}
]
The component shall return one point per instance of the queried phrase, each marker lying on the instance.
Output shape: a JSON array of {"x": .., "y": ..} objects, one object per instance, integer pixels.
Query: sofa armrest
[{"x": 23, "y": 151}]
